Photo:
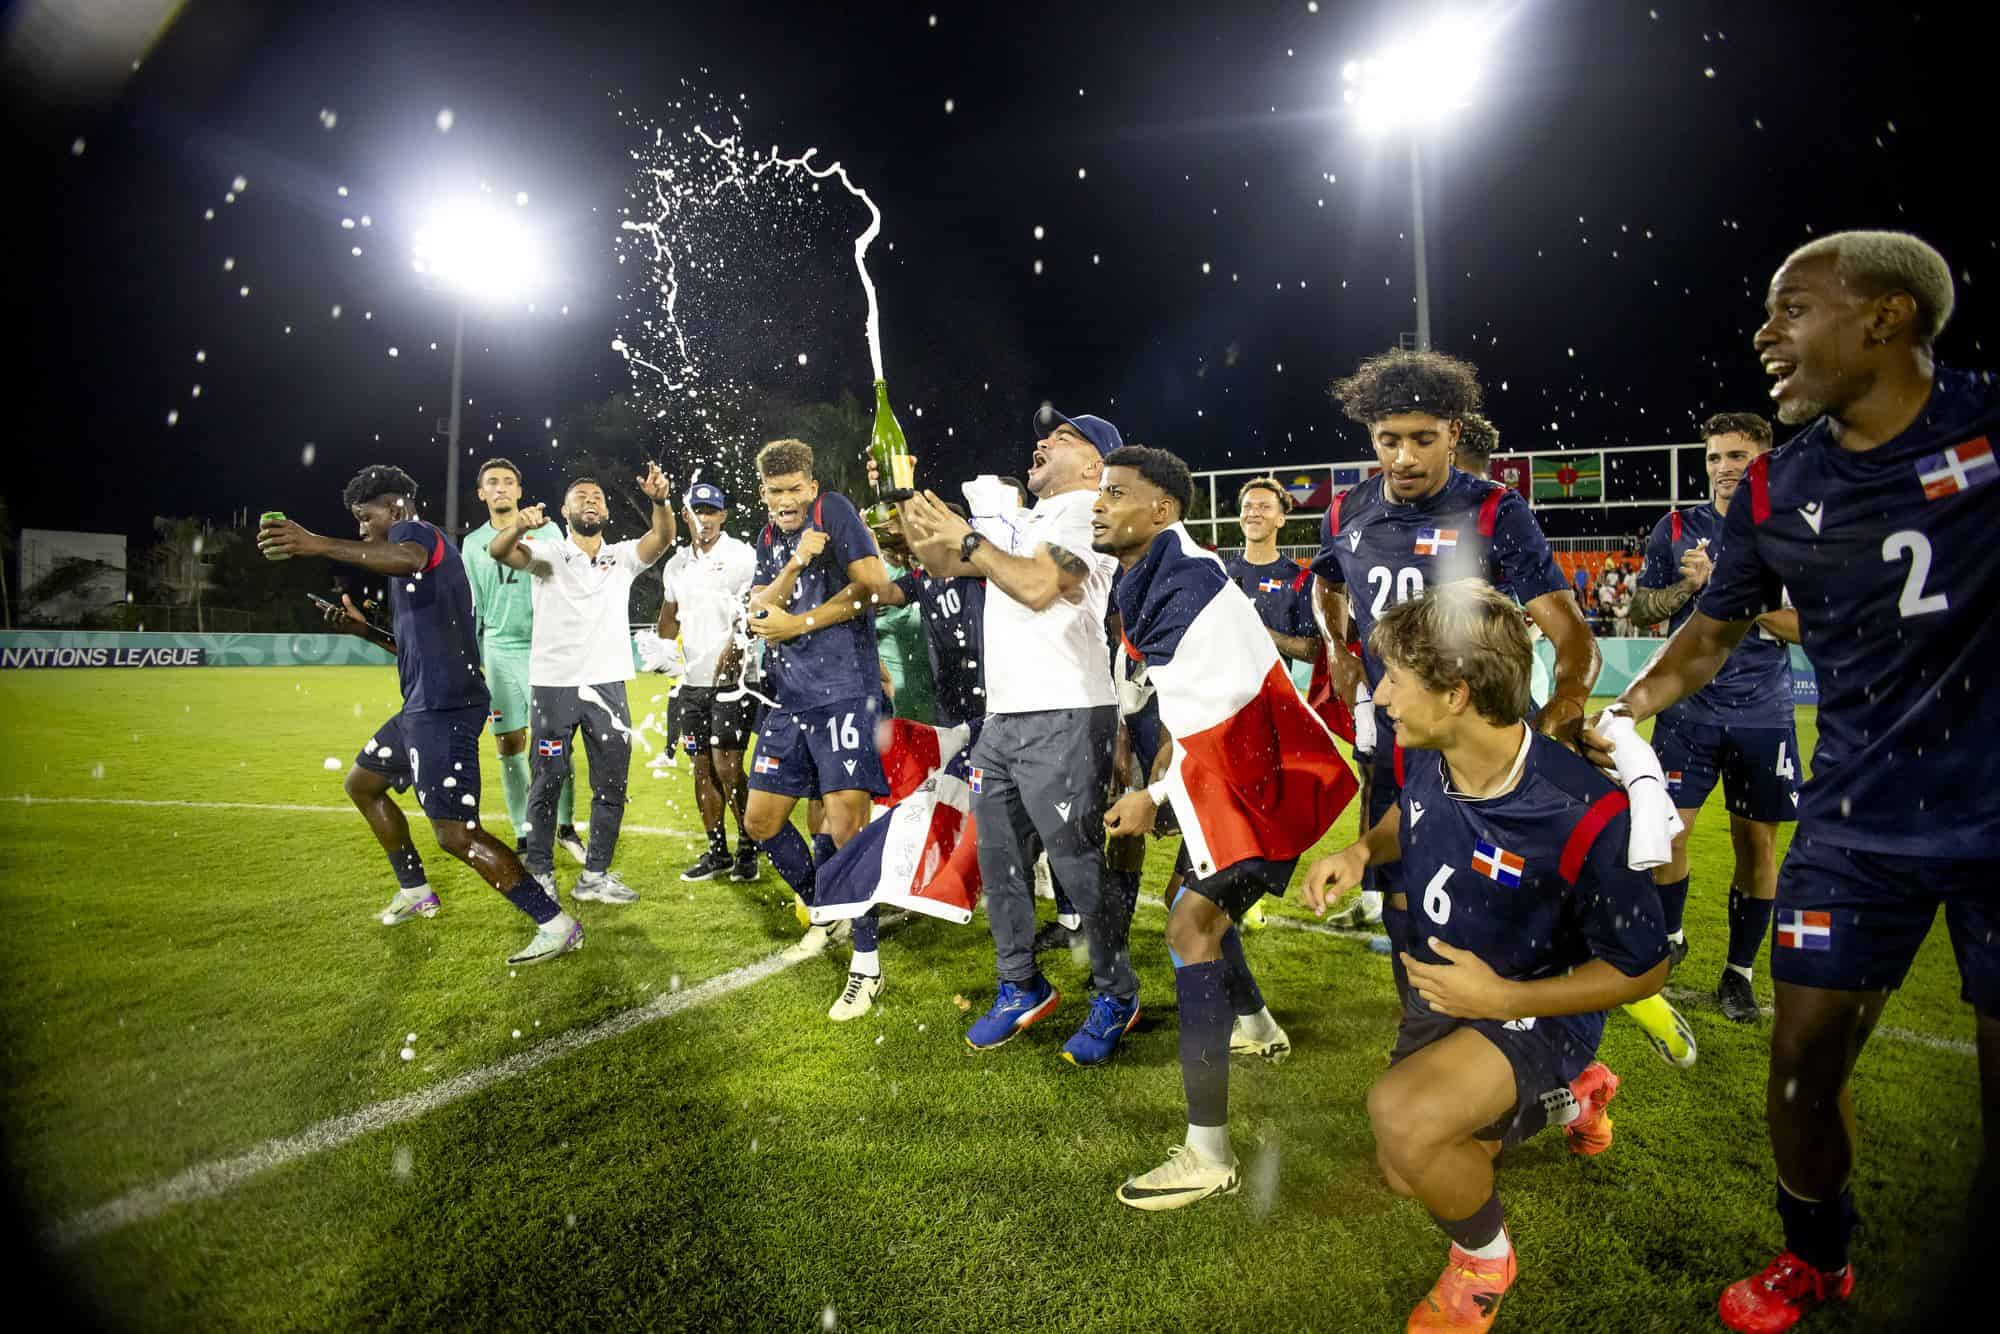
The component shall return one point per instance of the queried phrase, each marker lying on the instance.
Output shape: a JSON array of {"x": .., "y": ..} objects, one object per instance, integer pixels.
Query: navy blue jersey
[
  {"x": 1385, "y": 553},
  {"x": 437, "y": 633},
  {"x": 954, "y": 624},
  {"x": 1889, "y": 556},
  {"x": 1281, "y": 591},
  {"x": 833, "y": 662},
  {"x": 1533, "y": 881},
  {"x": 1754, "y": 687}
]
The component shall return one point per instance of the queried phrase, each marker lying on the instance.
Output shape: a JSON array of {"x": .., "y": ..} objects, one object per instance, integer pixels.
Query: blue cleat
[
  {"x": 1110, "y": 1019},
  {"x": 1014, "y": 1009}
]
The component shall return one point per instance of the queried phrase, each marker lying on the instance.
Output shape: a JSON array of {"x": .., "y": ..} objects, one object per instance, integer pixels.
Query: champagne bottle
[{"x": 895, "y": 470}]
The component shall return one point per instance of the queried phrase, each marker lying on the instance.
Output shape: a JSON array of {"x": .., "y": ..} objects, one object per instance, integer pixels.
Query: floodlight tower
[
  {"x": 1414, "y": 85},
  {"x": 473, "y": 251}
]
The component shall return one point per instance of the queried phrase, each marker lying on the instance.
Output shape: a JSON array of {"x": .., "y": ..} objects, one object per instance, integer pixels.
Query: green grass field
[{"x": 190, "y": 981}]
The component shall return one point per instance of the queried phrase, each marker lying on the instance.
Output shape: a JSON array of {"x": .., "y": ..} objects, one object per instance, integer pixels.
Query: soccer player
[
  {"x": 578, "y": 664},
  {"x": 1246, "y": 813},
  {"x": 1276, "y": 584},
  {"x": 433, "y": 743},
  {"x": 1878, "y": 519},
  {"x": 902, "y": 632},
  {"x": 1738, "y": 728},
  {"x": 501, "y": 598},
  {"x": 1532, "y": 926},
  {"x": 705, "y": 584},
  {"x": 819, "y": 578},
  {"x": 1042, "y": 765},
  {"x": 1419, "y": 523},
  {"x": 954, "y": 612}
]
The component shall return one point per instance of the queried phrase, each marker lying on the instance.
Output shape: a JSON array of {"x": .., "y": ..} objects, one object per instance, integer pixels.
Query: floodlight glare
[
  {"x": 477, "y": 251},
  {"x": 1418, "y": 82}
]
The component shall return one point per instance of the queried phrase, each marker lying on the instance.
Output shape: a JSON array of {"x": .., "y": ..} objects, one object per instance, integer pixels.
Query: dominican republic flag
[
  {"x": 1431, "y": 541},
  {"x": 1957, "y": 469},
  {"x": 1270, "y": 585},
  {"x": 1674, "y": 777},
  {"x": 920, "y": 852},
  {"x": 1496, "y": 863},
  {"x": 1254, "y": 773},
  {"x": 548, "y": 746},
  {"x": 765, "y": 764},
  {"x": 1802, "y": 930}
]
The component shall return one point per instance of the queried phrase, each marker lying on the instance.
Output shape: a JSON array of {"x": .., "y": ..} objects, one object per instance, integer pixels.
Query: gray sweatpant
[
  {"x": 1042, "y": 780},
  {"x": 555, "y": 715}
]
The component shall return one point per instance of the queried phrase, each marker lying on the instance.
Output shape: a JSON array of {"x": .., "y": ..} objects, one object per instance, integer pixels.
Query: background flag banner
[
  {"x": 1512, "y": 473},
  {"x": 920, "y": 851},
  {"x": 1570, "y": 477}
]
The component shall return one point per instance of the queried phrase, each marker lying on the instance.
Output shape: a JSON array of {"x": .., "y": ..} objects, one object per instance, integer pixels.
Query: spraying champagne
[{"x": 895, "y": 469}]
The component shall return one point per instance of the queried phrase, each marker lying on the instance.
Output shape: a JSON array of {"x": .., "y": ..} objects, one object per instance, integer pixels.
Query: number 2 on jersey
[
  {"x": 1914, "y": 602},
  {"x": 1407, "y": 582}
]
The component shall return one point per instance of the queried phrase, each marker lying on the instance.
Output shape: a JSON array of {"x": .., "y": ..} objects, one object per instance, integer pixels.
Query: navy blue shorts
[
  {"x": 1237, "y": 887},
  {"x": 1848, "y": 920},
  {"x": 1758, "y": 767},
  {"x": 828, "y": 748},
  {"x": 436, "y": 752},
  {"x": 1544, "y": 1053},
  {"x": 704, "y": 723}
]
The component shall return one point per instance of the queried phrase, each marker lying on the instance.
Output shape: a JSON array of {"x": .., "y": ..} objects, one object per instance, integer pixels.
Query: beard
[
  {"x": 1798, "y": 411},
  {"x": 587, "y": 527}
]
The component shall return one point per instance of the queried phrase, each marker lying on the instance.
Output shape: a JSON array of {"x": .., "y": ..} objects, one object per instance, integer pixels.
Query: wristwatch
[{"x": 969, "y": 544}]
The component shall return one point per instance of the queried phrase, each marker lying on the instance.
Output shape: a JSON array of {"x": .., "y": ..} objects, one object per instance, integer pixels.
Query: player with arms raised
[
  {"x": 1878, "y": 518},
  {"x": 433, "y": 743},
  {"x": 1532, "y": 926}
]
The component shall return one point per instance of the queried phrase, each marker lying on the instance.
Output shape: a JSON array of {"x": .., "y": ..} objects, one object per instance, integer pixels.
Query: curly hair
[
  {"x": 378, "y": 479},
  {"x": 1477, "y": 439},
  {"x": 782, "y": 458},
  {"x": 1435, "y": 383}
]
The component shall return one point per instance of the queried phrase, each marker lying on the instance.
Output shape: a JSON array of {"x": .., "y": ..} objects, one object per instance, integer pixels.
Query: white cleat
[
  {"x": 602, "y": 887},
  {"x": 1045, "y": 885},
  {"x": 572, "y": 842},
  {"x": 408, "y": 905},
  {"x": 857, "y": 999},
  {"x": 1273, "y": 1045},
  {"x": 558, "y": 935},
  {"x": 811, "y": 945},
  {"x": 1185, "y": 1178}
]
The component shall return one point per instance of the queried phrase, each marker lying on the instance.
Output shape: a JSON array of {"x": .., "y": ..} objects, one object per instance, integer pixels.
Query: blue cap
[
  {"x": 1094, "y": 429},
  {"x": 709, "y": 494}
]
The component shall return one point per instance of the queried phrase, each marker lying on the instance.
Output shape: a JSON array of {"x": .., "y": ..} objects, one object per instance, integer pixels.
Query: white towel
[
  {"x": 660, "y": 655},
  {"x": 1364, "y": 724},
  {"x": 995, "y": 508},
  {"x": 1654, "y": 819}
]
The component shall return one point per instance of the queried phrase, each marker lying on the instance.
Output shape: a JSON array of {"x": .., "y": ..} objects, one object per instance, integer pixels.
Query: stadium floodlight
[
  {"x": 477, "y": 252},
  {"x": 1414, "y": 85}
]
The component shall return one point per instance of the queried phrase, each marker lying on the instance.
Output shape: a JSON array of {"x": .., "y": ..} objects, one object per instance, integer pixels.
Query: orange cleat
[
  {"x": 1590, "y": 1134},
  {"x": 1467, "y": 1295},
  {"x": 1775, "y": 1299}
]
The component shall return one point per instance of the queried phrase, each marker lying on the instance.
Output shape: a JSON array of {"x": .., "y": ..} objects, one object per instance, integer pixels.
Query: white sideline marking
[
  {"x": 29, "y": 799},
  {"x": 211, "y": 1179}
]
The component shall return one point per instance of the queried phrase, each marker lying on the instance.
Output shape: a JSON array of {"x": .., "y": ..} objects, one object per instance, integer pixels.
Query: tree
[{"x": 178, "y": 563}]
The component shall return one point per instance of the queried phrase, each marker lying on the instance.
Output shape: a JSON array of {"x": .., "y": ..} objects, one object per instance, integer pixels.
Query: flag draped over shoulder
[
  {"x": 921, "y": 853},
  {"x": 1255, "y": 773}
]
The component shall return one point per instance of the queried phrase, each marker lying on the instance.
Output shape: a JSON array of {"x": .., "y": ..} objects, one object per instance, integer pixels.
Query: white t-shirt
[
  {"x": 708, "y": 589},
  {"x": 1055, "y": 658},
  {"x": 582, "y": 634}
]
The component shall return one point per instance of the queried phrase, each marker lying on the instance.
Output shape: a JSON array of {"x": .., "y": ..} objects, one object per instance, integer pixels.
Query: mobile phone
[{"x": 322, "y": 603}]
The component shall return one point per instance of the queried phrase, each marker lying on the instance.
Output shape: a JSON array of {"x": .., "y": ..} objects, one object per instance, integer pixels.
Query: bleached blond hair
[{"x": 1878, "y": 263}]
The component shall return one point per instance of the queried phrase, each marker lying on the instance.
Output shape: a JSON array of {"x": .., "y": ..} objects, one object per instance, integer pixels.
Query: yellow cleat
[{"x": 1665, "y": 1029}]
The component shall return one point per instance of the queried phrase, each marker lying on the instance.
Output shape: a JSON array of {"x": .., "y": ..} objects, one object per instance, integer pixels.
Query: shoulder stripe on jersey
[
  {"x": 1333, "y": 517},
  {"x": 1674, "y": 525},
  {"x": 1299, "y": 583},
  {"x": 765, "y": 538},
  {"x": 437, "y": 553},
  {"x": 1760, "y": 487},
  {"x": 1396, "y": 756},
  {"x": 821, "y": 500},
  {"x": 1489, "y": 510},
  {"x": 1600, "y": 814},
  {"x": 1134, "y": 653}
]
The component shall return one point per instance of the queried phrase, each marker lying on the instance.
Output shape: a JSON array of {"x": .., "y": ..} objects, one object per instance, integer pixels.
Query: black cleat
[
  {"x": 711, "y": 865},
  {"x": 1677, "y": 950},
  {"x": 1738, "y": 1002},
  {"x": 1056, "y": 936},
  {"x": 744, "y": 869}
]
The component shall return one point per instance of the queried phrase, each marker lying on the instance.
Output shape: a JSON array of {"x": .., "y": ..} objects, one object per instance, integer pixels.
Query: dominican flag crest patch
[
  {"x": 977, "y": 779},
  {"x": 1270, "y": 585},
  {"x": 766, "y": 764},
  {"x": 1799, "y": 929},
  {"x": 1432, "y": 541},
  {"x": 1498, "y": 864},
  {"x": 1957, "y": 469},
  {"x": 548, "y": 747},
  {"x": 1674, "y": 777}
]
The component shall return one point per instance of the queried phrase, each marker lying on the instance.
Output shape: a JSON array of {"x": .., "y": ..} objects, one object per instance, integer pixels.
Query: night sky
[{"x": 1603, "y": 221}]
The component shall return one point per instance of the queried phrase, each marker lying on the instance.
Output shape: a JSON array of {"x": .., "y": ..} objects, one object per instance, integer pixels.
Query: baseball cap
[
  {"x": 1094, "y": 429},
  {"x": 709, "y": 495}
]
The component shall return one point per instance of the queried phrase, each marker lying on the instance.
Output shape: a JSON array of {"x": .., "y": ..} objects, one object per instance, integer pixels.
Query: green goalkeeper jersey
[{"x": 502, "y": 597}]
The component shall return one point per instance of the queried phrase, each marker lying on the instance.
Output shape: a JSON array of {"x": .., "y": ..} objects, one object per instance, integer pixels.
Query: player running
[
  {"x": 1878, "y": 518},
  {"x": 1738, "y": 728},
  {"x": 502, "y": 599},
  {"x": 819, "y": 578},
  {"x": 433, "y": 743},
  {"x": 1532, "y": 926},
  {"x": 1255, "y": 784},
  {"x": 705, "y": 584}
]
